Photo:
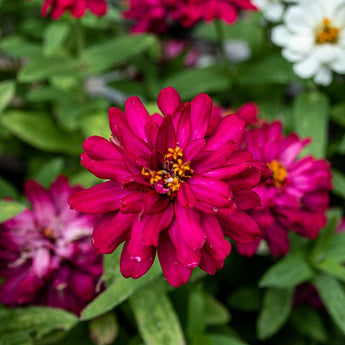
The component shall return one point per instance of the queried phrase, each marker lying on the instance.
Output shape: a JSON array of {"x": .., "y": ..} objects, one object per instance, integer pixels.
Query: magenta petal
[
  {"x": 102, "y": 198},
  {"x": 185, "y": 196},
  {"x": 246, "y": 199},
  {"x": 216, "y": 245},
  {"x": 42, "y": 203},
  {"x": 168, "y": 100},
  {"x": 188, "y": 221},
  {"x": 41, "y": 262},
  {"x": 247, "y": 179},
  {"x": 137, "y": 250},
  {"x": 132, "y": 268},
  {"x": 185, "y": 256},
  {"x": 155, "y": 224},
  {"x": 248, "y": 249},
  {"x": 240, "y": 227},
  {"x": 111, "y": 230},
  {"x": 209, "y": 190},
  {"x": 137, "y": 115},
  {"x": 248, "y": 112},
  {"x": 166, "y": 135},
  {"x": 133, "y": 203},
  {"x": 200, "y": 112},
  {"x": 227, "y": 172},
  {"x": 208, "y": 264},
  {"x": 83, "y": 285},
  {"x": 98, "y": 7},
  {"x": 193, "y": 148},
  {"x": 154, "y": 202},
  {"x": 229, "y": 128},
  {"x": 175, "y": 273},
  {"x": 100, "y": 149},
  {"x": 181, "y": 120},
  {"x": 277, "y": 240}
]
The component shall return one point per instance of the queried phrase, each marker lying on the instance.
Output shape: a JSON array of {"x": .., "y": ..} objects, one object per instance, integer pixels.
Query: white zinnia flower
[
  {"x": 272, "y": 10},
  {"x": 313, "y": 37}
]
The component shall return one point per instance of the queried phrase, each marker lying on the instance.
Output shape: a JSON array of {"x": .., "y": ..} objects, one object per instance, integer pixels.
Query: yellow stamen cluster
[
  {"x": 48, "y": 233},
  {"x": 327, "y": 33},
  {"x": 279, "y": 173},
  {"x": 174, "y": 171}
]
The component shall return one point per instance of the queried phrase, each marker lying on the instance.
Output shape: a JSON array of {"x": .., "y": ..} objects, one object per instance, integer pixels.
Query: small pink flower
[
  {"x": 46, "y": 256},
  {"x": 177, "y": 186},
  {"x": 297, "y": 194},
  {"x": 77, "y": 8}
]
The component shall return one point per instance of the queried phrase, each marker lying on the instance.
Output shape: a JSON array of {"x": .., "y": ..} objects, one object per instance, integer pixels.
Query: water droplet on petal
[
  {"x": 215, "y": 209},
  {"x": 136, "y": 258}
]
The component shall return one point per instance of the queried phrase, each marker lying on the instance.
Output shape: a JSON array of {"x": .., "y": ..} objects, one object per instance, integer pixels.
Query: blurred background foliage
[{"x": 57, "y": 80}]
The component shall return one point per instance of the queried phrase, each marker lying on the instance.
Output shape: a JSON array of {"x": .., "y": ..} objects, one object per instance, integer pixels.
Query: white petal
[
  {"x": 298, "y": 20},
  {"x": 41, "y": 262},
  {"x": 307, "y": 68},
  {"x": 292, "y": 56},
  {"x": 301, "y": 43},
  {"x": 280, "y": 35},
  {"x": 339, "y": 17},
  {"x": 323, "y": 76},
  {"x": 339, "y": 64},
  {"x": 325, "y": 53},
  {"x": 274, "y": 12}
]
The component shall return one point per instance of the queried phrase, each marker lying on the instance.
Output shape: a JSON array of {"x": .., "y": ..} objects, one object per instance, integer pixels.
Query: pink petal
[
  {"x": 154, "y": 202},
  {"x": 41, "y": 262},
  {"x": 240, "y": 227},
  {"x": 137, "y": 115},
  {"x": 133, "y": 203},
  {"x": 98, "y": 7},
  {"x": 100, "y": 149},
  {"x": 42, "y": 203},
  {"x": 229, "y": 128},
  {"x": 245, "y": 180},
  {"x": 102, "y": 198},
  {"x": 185, "y": 196},
  {"x": 200, "y": 112},
  {"x": 277, "y": 240},
  {"x": 175, "y": 273},
  {"x": 83, "y": 285},
  {"x": 188, "y": 221},
  {"x": 111, "y": 230},
  {"x": 227, "y": 172},
  {"x": 248, "y": 249},
  {"x": 246, "y": 199},
  {"x": 168, "y": 100},
  {"x": 187, "y": 257},
  {"x": 132, "y": 268},
  {"x": 166, "y": 135},
  {"x": 181, "y": 120},
  {"x": 248, "y": 112},
  {"x": 208, "y": 264}
]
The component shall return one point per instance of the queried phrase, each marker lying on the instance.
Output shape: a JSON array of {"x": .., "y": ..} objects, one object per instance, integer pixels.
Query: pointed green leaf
[
  {"x": 246, "y": 298},
  {"x": 275, "y": 311},
  {"x": 118, "y": 292},
  {"x": 338, "y": 183},
  {"x": 216, "y": 312},
  {"x": 157, "y": 321},
  {"x": 310, "y": 116},
  {"x": 16, "y": 338},
  {"x": 54, "y": 36},
  {"x": 7, "y": 89},
  {"x": 288, "y": 272},
  {"x": 332, "y": 268},
  {"x": 222, "y": 339},
  {"x": 9, "y": 209},
  {"x": 49, "y": 171},
  {"x": 40, "y": 131},
  {"x": 335, "y": 251},
  {"x": 333, "y": 296},
  {"x": 7, "y": 190}
]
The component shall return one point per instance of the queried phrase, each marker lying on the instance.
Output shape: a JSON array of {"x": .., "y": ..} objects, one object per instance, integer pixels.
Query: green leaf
[
  {"x": 190, "y": 82},
  {"x": 104, "y": 329},
  {"x": 335, "y": 251},
  {"x": 95, "y": 124},
  {"x": 332, "y": 268},
  {"x": 310, "y": 114},
  {"x": 54, "y": 36},
  {"x": 338, "y": 183},
  {"x": 9, "y": 209},
  {"x": 7, "y": 190},
  {"x": 216, "y": 312},
  {"x": 118, "y": 292},
  {"x": 275, "y": 311},
  {"x": 41, "y": 132},
  {"x": 49, "y": 171},
  {"x": 37, "y": 320},
  {"x": 309, "y": 323},
  {"x": 7, "y": 90},
  {"x": 333, "y": 297},
  {"x": 45, "y": 67},
  {"x": 156, "y": 319},
  {"x": 195, "y": 313},
  {"x": 288, "y": 272},
  {"x": 100, "y": 57},
  {"x": 16, "y": 338},
  {"x": 338, "y": 114},
  {"x": 246, "y": 298},
  {"x": 222, "y": 339},
  {"x": 17, "y": 46}
]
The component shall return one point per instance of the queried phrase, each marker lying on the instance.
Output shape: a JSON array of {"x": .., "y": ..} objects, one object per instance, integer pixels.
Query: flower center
[
  {"x": 327, "y": 33},
  {"x": 174, "y": 172},
  {"x": 48, "y": 233},
  {"x": 279, "y": 173}
]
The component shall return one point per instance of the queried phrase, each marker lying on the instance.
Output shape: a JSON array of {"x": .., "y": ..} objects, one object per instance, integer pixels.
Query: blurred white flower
[
  {"x": 272, "y": 10},
  {"x": 313, "y": 37}
]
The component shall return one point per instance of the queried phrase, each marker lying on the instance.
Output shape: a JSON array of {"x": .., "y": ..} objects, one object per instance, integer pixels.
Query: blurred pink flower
[
  {"x": 297, "y": 194},
  {"x": 157, "y": 15},
  {"x": 46, "y": 256},
  {"x": 177, "y": 185},
  {"x": 57, "y": 8}
]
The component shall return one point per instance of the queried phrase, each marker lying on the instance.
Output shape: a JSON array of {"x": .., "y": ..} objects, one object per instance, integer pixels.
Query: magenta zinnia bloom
[
  {"x": 77, "y": 8},
  {"x": 227, "y": 10},
  {"x": 177, "y": 186},
  {"x": 46, "y": 256},
  {"x": 297, "y": 194}
]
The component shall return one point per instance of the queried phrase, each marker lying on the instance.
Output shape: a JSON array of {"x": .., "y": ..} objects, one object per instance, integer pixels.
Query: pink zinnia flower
[
  {"x": 46, "y": 256},
  {"x": 77, "y": 8},
  {"x": 177, "y": 186},
  {"x": 297, "y": 194},
  {"x": 227, "y": 10}
]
